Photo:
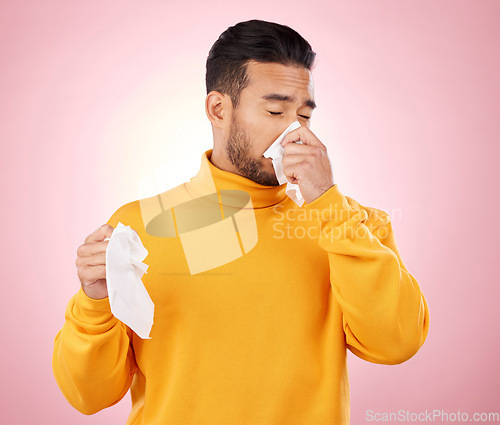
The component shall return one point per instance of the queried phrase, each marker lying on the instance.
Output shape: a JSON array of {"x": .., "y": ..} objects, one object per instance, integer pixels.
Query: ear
[{"x": 218, "y": 108}]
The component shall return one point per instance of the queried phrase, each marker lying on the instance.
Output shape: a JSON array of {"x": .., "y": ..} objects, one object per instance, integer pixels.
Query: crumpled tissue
[
  {"x": 276, "y": 152},
  {"x": 129, "y": 300}
]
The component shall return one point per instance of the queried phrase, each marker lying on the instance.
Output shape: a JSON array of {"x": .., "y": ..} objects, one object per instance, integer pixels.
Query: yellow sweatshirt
[{"x": 256, "y": 301}]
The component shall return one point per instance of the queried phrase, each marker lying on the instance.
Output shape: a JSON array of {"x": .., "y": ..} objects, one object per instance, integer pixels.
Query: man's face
[{"x": 262, "y": 115}]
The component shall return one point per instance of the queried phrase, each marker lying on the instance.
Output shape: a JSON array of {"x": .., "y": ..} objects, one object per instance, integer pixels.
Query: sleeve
[
  {"x": 93, "y": 359},
  {"x": 385, "y": 314}
]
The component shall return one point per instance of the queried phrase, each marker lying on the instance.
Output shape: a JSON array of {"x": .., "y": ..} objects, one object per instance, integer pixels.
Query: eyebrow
[{"x": 286, "y": 98}]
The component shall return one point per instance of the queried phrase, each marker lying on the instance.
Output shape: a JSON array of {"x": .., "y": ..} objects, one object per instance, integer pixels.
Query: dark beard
[{"x": 237, "y": 149}]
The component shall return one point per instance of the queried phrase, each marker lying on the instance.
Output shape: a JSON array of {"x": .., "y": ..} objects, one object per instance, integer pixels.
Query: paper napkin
[
  {"x": 128, "y": 297},
  {"x": 276, "y": 152}
]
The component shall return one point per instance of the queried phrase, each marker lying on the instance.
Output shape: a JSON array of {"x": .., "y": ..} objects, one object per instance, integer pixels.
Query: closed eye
[{"x": 279, "y": 113}]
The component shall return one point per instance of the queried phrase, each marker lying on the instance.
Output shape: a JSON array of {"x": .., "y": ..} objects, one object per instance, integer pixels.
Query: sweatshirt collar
[{"x": 211, "y": 179}]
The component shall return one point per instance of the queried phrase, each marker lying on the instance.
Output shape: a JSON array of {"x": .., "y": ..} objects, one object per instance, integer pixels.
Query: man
[{"x": 256, "y": 299}]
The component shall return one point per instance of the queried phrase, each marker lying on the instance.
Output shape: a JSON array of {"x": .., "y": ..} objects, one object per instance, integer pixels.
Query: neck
[
  {"x": 212, "y": 179},
  {"x": 222, "y": 162}
]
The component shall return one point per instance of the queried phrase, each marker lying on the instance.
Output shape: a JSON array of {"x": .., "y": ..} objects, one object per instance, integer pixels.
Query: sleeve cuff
[
  {"x": 332, "y": 197},
  {"x": 332, "y": 209},
  {"x": 91, "y": 311}
]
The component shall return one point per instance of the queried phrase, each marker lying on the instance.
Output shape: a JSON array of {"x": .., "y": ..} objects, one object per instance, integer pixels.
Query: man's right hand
[{"x": 91, "y": 262}]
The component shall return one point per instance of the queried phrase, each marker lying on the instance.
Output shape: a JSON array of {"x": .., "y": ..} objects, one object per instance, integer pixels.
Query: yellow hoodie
[{"x": 256, "y": 300}]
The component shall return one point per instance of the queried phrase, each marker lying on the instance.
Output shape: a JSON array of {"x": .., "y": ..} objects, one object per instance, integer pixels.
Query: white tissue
[
  {"x": 128, "y": 297},
  {"x": 276, "y": 152}
]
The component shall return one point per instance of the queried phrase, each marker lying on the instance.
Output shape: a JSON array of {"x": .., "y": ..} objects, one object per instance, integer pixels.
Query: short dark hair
[{"x": 262, "y": 41}]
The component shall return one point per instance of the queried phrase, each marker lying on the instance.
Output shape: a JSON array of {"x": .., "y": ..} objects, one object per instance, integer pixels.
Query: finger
[
  {"x": 91, "y": 274},
  {"x": 100, "y": 234},
  {"x": 91, "y": 260},
  {"x": 293, "y": 172},
  {"x": 92, "y": 248},
  {"x": 305, "y": 135},
  {"x": 291, "y": 159},
  {"x": 297, "y": 148}
]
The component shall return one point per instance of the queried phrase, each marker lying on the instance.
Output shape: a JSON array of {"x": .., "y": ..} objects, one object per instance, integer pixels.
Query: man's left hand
[{"x": 307, "y": 164}]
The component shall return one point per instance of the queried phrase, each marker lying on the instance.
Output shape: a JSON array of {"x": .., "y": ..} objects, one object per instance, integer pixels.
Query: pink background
[{"x": 103, "y": 102}]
